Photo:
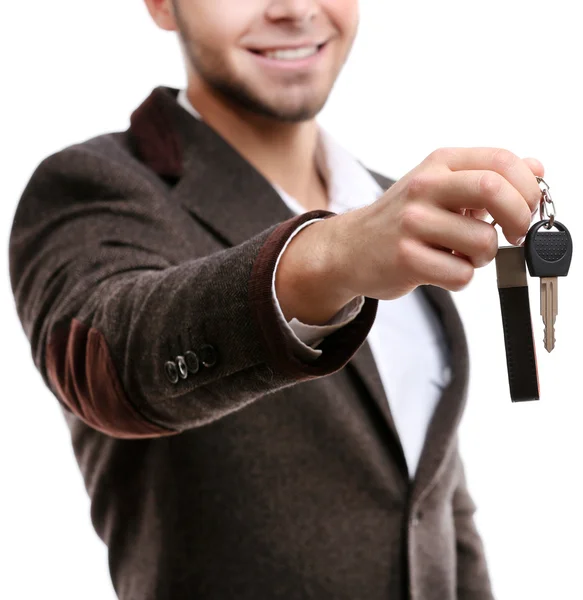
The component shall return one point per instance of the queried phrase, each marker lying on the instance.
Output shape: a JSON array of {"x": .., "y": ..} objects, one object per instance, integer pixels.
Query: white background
[{"x": 422, "y": 75}]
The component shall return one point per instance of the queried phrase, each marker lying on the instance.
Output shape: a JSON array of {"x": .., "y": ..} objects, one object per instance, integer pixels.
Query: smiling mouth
[{"x": 289, "y": 53}]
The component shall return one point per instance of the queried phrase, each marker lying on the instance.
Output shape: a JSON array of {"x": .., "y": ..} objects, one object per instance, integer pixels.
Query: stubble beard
[
  {"x": 207, "y": 64},
  {"x": 237, "y": 92}
]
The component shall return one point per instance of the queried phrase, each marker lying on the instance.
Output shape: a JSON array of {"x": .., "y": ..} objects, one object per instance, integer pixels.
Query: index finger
[{"x": 516, "y": 171}]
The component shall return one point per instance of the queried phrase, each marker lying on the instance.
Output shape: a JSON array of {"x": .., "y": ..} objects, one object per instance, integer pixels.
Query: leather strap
[{"x": 517, "y": 324}]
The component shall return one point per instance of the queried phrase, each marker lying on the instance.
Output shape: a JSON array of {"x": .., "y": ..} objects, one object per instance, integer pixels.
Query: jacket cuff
[{"x": 337, "y": 348}]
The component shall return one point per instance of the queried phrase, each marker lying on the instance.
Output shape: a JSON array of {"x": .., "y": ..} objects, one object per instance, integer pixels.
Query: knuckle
[
  {"x": 489, "y": 184},
  {"x": 413, "y": 213},
  {"x": 419, "y": 185},
  {"x": 405, "y": 253},
  {"x": 441, "y": 155},
  {"x": 503, "y": 160}
]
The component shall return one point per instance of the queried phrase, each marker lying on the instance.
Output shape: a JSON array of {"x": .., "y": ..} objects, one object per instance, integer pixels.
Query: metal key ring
[{"x": 545, "y": 201}]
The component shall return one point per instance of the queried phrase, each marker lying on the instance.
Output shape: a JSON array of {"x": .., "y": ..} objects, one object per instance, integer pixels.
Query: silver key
[
  {"x": 548, "y": 256},
  {"x": 549, "y": 309}
]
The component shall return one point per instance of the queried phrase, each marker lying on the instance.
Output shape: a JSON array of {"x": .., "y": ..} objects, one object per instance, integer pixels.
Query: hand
[{"x": 416, "y": 234}]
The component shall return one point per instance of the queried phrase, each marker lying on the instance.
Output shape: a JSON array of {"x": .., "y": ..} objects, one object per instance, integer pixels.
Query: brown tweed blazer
[{"x": 220, "y": 466}]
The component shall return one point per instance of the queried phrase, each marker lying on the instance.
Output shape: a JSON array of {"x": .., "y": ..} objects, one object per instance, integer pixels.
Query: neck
[{"x": 284, "y": 153}]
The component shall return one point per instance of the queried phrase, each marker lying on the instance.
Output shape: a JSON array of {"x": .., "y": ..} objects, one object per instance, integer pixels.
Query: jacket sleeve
[
  {"x": 302, "y": 337},
  {"x": 131, "y": 343},
  {"x": 473, "y": 581}
]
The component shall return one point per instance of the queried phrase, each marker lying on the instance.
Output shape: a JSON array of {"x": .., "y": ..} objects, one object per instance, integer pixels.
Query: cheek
[
  {"x": 343, "y": 14},
  {"x": 220, "y": 22}
]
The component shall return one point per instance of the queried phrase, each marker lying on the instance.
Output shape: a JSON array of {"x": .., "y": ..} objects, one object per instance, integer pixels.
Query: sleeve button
[
  {"x": 171, "y": 371},
  {"x": 191, "y": 361},
  {"x": 182, "y": 369},
  {"x": 208, "y": 356}
]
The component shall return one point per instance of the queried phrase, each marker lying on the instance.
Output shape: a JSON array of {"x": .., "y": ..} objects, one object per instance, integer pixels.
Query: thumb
[{"x": 535, "y": 166}]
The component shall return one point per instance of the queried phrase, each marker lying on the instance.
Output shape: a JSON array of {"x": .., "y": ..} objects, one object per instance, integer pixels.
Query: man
[{"x": 250, "y": 335}]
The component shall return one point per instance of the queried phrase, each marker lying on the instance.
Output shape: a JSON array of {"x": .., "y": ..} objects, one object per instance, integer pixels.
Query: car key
[{"x": 548, "y": 256}]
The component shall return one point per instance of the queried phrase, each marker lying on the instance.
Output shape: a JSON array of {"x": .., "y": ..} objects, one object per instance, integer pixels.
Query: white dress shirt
[{"x": 406, "y": 339}]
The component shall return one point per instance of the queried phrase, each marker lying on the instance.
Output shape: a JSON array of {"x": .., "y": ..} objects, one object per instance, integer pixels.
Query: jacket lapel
[
  {"x": 233, "y": 200},
  {"x": 364, "y": 366},
  {"x": 441, "y": 435},
  {"x": 214, "y": 182}
]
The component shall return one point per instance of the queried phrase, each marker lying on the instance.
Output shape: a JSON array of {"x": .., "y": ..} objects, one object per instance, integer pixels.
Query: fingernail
[{"x": 520, "y": 241}]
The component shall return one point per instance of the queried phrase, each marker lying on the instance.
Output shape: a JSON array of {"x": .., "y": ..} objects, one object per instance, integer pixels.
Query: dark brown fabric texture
[{"x": 257, "y": 475}]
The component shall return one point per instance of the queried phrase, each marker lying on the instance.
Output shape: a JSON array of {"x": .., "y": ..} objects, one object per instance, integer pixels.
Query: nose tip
[{"x": 292, "y": 10}]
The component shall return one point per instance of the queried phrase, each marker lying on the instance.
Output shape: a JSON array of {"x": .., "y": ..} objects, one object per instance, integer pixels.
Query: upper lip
[{"x": 290, "y": 46}]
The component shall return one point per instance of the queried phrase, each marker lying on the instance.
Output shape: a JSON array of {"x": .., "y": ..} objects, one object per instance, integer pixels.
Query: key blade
[{"x": 549, "y": 301}]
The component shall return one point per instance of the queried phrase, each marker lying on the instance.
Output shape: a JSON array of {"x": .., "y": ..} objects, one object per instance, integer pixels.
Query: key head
[{"x": 548, "y": 253}]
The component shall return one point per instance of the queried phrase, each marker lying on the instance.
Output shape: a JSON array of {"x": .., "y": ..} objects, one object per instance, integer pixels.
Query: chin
[
  {"x": 301, "y": 110},
  {"x": 291, "y": 103},
  {"x": 295, "y": 114}
]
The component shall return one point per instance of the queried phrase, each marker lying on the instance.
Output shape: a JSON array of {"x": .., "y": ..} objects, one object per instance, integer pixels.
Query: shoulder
[
  {"x": 106, "y": 164},
  {"x": 108, "y": 151},
  {"x": 97, "y": 176}
]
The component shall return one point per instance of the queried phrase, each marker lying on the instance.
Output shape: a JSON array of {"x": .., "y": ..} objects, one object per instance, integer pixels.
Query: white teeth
[{"x": 293, "y": 54}]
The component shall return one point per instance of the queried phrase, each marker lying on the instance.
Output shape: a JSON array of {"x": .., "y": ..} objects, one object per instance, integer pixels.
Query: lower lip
[{"x": 291, "y": 65}]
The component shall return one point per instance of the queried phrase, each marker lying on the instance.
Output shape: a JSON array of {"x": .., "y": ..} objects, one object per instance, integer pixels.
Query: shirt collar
[{"x": 349, "y": 184}]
